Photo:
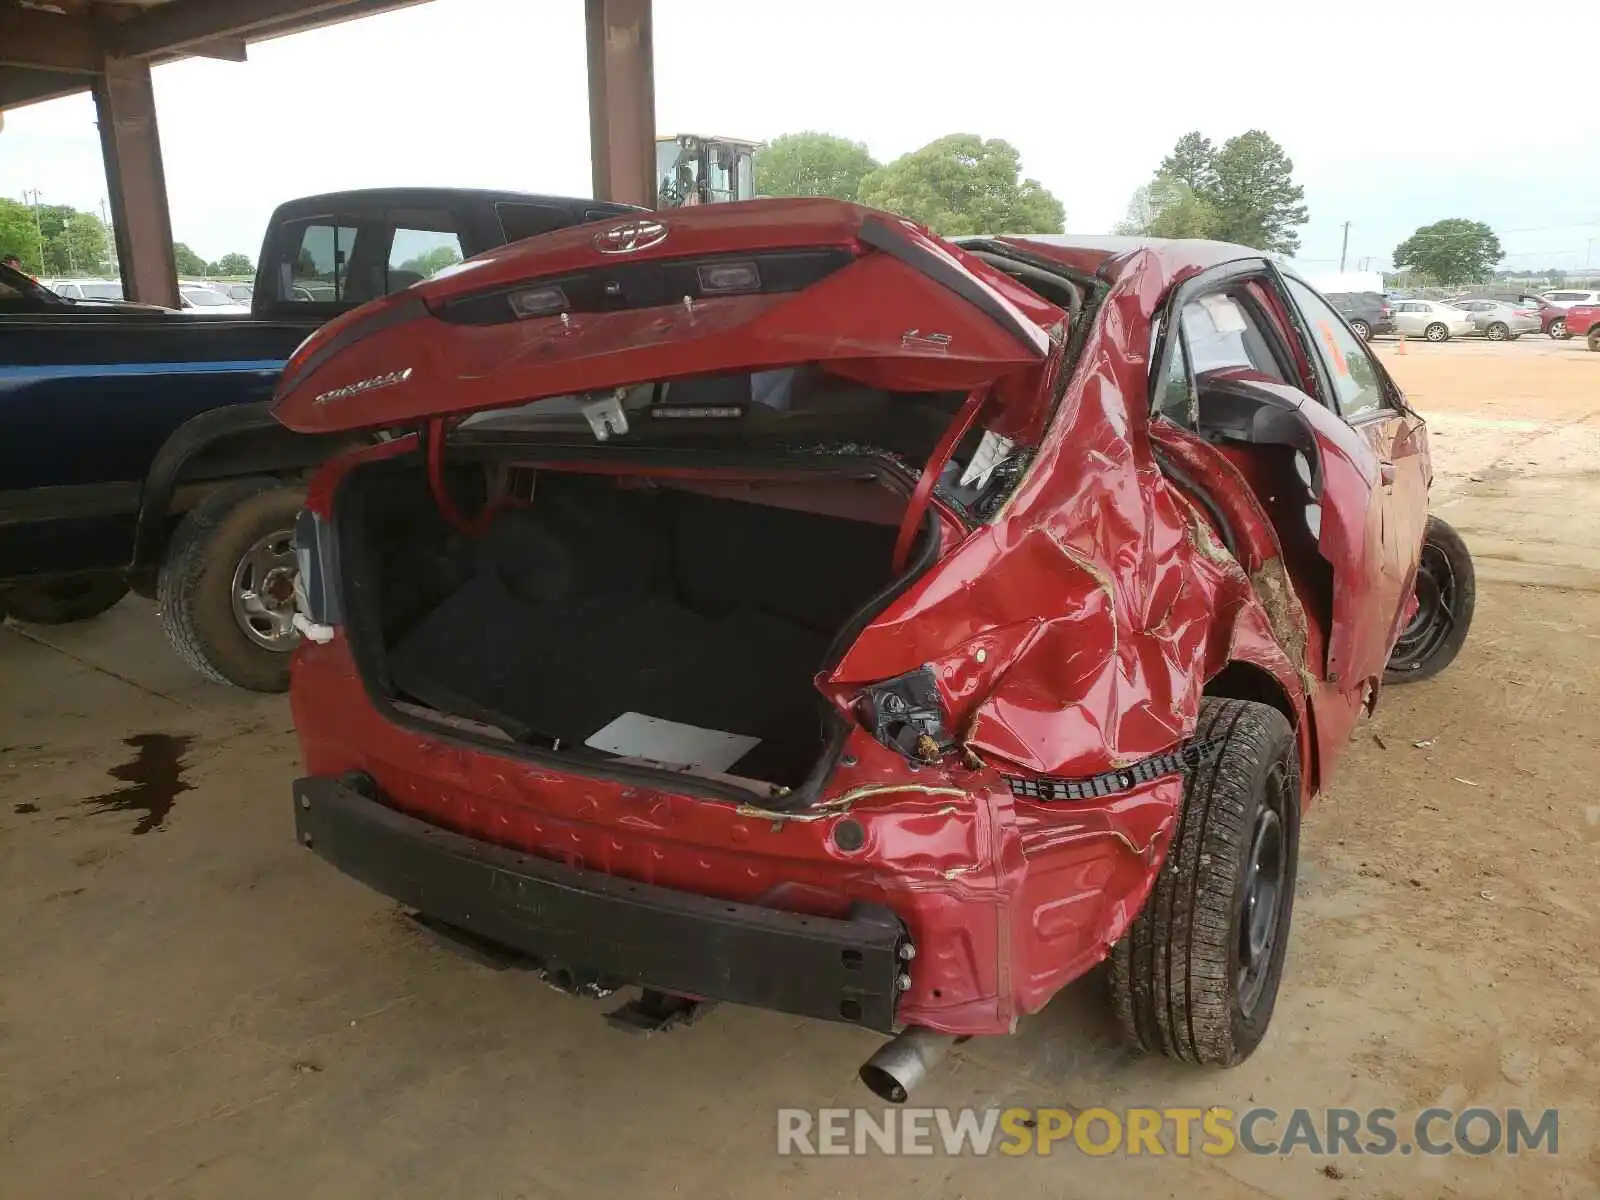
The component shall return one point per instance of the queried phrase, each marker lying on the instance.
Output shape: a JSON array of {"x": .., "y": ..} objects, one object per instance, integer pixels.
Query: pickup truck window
[
  {"x": 518, "y": 221},
  {"x": 418, "y": 254},
  {"x": 318, "y": 272}
]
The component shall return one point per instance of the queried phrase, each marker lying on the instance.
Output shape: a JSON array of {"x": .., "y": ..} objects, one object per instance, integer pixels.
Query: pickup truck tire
[
  {"x": 1594, "y": 338},
  {"x": 1196, "y": 975},
  {"x": 62, "y": 601},
  {"x": 1447, "y": 595},
  {"x": 221, "y": 550}
]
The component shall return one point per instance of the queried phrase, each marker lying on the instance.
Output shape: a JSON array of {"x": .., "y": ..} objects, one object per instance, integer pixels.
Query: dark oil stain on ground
[
  {"x": 25, "y": 807},
  {"x": 153, "y": 779}
]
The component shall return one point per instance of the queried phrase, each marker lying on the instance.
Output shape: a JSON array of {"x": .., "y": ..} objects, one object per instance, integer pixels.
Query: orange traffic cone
[{"x": 1402, "y": 347}]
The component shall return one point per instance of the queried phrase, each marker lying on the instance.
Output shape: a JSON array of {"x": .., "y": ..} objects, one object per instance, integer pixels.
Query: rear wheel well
[
  {"x": 211, "y": 453},
  {"x": 1240, "y": 680},
  {"x": 1246, "y": 681}
]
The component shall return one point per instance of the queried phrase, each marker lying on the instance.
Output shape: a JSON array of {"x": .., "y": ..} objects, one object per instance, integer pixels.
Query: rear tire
[
  {"x": 1498, "y": 332},
  {"x": 1361, "y": 329},
  {"x": 62, "y": 601},
  {"x": 1437, "y": 332},
  {"x": 220, "y": 550},
  {"x": 1594, "y": 338},
  {"x": 1447, "y": 595},
  {"x": 1196, "y": 976}
]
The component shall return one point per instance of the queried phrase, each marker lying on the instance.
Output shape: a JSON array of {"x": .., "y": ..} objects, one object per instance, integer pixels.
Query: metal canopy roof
[{"x": 51, "y": 48}]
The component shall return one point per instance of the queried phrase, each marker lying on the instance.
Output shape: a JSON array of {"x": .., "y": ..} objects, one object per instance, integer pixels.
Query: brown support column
[
  {"x": 622, "y": 100},
  {"x": 130, "y": 144}
]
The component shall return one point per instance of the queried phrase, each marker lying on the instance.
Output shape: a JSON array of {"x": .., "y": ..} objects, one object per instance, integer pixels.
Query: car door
[
  {"x": 1367, "y": 404},
  {"x": 1238, "y": 327},
  {"x": 1408, "y": 317}
]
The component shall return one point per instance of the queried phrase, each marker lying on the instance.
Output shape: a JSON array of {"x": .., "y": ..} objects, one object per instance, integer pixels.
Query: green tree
[
  {"x": 83, "y": 246},
  {"x": 431, "y": 262},
  {"x": 1451, "y": 251},
  {"x": 1191, "y": 163},
  {"x": 1257, "y": 200},
  {"x": 1168, "y": 208},
  {"x": 189, "y": 263},
  {"x": 964, "y": 184},
  {"x": 813, "y": 164},
  {"x": 1245, "y": 192},
  {"x": 18, "y": 235},
  {"x": 235, "y": 264}
]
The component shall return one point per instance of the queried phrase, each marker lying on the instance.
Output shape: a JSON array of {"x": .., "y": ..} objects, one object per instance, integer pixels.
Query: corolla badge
[
  {"x": 371, "y": 384},
  {"x": 629, "y": 236}
]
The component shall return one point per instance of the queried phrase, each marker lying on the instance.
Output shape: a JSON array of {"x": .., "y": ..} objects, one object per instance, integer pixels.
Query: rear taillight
[
  {"x": 1385, "y": 311},
  {"x": 906, "y": 714},
  {"x": 316, "y": 580}
]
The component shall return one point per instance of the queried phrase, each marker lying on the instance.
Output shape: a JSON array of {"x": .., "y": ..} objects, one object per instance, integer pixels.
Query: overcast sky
[{"x": 1395, "y": 114}]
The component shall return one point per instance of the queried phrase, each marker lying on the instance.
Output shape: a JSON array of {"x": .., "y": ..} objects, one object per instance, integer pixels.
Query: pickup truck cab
[{"x": 136, "y": 449}]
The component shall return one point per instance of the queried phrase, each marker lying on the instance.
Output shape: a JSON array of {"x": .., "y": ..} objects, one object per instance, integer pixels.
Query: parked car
[
  {"x": 773, "y": 602},
  {"x": 1431, "y": 319},
  {"x": 1367, "y": 312},
  {"x": 1583, "y": 320},
  {"x": 1552, "y": 317},
  {"x": 1566, "y": 298},
  {"x": 136, "y": 449},
  {"x": 86, "y": 289},
  {"x": 205, "y": 300},
  {"x": 239, "y": 293},
  {"x": 1499, "y": 321}
]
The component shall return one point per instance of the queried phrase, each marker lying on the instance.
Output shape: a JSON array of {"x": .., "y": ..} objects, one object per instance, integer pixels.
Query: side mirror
[{"x": 1258, "y": 413}]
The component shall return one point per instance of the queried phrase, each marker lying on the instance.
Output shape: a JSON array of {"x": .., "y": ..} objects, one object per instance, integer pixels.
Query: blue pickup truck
[{"x": 136, "y": 446}]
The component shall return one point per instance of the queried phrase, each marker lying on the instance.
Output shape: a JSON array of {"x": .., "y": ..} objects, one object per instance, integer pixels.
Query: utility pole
[
  {"x": 1344, "y": 248},
  {"x": 38, "y": 228}
]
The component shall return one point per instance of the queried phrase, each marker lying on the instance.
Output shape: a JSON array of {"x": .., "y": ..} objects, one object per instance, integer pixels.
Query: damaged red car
[{"x": 775, "y": 603}]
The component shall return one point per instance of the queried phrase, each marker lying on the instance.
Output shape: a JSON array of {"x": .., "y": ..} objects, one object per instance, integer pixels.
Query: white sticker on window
[{"x": 1224, "y": 313}]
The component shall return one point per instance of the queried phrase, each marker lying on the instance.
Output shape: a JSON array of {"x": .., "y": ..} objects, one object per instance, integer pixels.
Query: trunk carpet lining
[
  {"x": 598, "y": 601},
  {"x": 488, "y": 654}
]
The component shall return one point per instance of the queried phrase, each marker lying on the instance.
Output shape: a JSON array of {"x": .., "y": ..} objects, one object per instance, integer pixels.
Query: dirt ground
[{"x": 192, "y": 1005}]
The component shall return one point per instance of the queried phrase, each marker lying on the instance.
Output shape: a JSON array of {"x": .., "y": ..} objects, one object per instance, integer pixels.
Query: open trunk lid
[{"x": 726, "y": 288}]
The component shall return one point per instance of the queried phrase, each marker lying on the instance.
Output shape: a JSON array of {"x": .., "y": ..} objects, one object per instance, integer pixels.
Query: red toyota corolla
[{"x": 775, "y": 603}]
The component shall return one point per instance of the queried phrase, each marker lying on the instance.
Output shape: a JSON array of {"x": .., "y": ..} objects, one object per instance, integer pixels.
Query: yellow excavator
[{"x": 695, "y": 169}]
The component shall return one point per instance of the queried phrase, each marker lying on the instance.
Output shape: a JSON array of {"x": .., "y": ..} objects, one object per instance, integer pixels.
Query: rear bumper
[{"x": 838, "y": 969}]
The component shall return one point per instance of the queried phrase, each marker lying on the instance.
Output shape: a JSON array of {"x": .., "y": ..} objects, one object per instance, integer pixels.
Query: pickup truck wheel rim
[{"x": 263, "y": 592}]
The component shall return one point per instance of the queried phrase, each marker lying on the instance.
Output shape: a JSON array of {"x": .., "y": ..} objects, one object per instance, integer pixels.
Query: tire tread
[
  {"x": 179, "y": 586},
  {"x": 1170, "y": 974}
]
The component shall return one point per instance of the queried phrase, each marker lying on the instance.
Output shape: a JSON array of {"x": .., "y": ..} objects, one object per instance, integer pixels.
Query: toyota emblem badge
[{"x": 630, "y": 236}]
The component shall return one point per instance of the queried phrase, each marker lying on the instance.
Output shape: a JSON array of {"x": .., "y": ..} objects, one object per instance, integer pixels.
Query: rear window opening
[{"x": 633, "y": 620}]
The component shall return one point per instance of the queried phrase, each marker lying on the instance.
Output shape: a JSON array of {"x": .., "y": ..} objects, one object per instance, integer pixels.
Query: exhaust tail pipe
[{"x": 902, "y": 1063}]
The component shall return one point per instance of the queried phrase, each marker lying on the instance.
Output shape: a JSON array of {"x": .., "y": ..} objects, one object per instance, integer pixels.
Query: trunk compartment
[{"x": 707, "y": 602}]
